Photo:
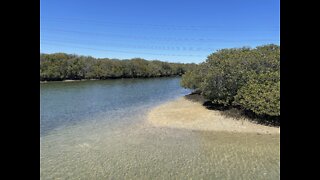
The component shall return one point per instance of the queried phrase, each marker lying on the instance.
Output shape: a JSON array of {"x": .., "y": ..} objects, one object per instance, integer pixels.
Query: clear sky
[{"x": 168, "y": 30}]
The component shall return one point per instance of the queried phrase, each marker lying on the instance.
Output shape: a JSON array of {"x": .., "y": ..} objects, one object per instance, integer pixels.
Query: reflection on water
[{"x": 119, "y": 144}]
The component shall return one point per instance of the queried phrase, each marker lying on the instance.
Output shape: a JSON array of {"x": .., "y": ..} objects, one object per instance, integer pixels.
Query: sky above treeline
[{"x": 169, "y": 30}]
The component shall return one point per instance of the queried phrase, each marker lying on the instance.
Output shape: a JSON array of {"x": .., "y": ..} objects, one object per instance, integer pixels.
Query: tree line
[
  {"x": 62, "y": 66},
  {"x": 240, "y": 77}
]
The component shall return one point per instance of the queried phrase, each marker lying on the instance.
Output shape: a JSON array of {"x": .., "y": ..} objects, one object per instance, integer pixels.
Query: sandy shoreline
[{"x": 186, "y": 114}]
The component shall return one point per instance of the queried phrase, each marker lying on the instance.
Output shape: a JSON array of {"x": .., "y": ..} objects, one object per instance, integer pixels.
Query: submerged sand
[{"x": 187, "y": 114}]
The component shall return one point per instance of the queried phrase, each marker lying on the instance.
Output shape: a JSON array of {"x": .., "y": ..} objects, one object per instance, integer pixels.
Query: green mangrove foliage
[
  {"x": 243, "y": 77},
  {"x": 61, "y": 66}
]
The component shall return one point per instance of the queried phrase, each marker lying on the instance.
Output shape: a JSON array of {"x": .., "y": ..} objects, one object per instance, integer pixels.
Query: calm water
[{"x": 97, "y": 130}]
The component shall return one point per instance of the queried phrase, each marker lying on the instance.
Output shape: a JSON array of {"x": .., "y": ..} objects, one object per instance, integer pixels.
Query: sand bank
[{"x": 183, "y": 113}]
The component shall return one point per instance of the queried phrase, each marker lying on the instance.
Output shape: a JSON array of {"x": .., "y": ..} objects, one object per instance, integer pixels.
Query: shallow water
[
  {"x": 69, "y": 103},
  {"x": 97, "y": 130}
]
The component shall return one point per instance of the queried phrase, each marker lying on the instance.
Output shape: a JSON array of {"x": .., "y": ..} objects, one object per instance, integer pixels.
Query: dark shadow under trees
[{"x": 235, "y": 112}]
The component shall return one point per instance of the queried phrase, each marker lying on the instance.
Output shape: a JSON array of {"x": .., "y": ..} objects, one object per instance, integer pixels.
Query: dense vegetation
[
  {"x": 61, "y": 66},
  {"x": 241, "y": 77}
]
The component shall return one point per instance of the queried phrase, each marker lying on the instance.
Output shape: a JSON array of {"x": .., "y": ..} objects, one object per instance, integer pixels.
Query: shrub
[
  {"x": 244, "y": 77},
  {"x": 261, "y": 95}
]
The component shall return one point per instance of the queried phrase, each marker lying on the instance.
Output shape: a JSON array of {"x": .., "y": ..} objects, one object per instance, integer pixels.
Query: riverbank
[
  {"x": 72, "y": 80},
  {"x": 187, "y": 114}
]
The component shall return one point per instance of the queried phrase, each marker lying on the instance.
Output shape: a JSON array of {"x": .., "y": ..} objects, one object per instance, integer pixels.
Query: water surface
[
  {"x": 97, "y": 130},
  {"x": 70, "y": 103}
]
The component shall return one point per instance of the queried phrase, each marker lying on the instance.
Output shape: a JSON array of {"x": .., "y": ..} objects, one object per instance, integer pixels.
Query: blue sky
[{"x": 168, "y": 30}]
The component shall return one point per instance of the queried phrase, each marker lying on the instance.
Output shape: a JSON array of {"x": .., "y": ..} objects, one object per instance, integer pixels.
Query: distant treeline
[
  {"x": 62, "y": 66},
  {"x": 242, "y": 77}
]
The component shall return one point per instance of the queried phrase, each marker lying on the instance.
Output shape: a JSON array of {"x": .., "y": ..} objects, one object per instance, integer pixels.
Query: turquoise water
[{"x": 98, "y": 130}]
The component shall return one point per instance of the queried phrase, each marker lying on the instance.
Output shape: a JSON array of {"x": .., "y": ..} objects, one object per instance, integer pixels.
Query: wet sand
[{"x": 186, "y": 114}]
